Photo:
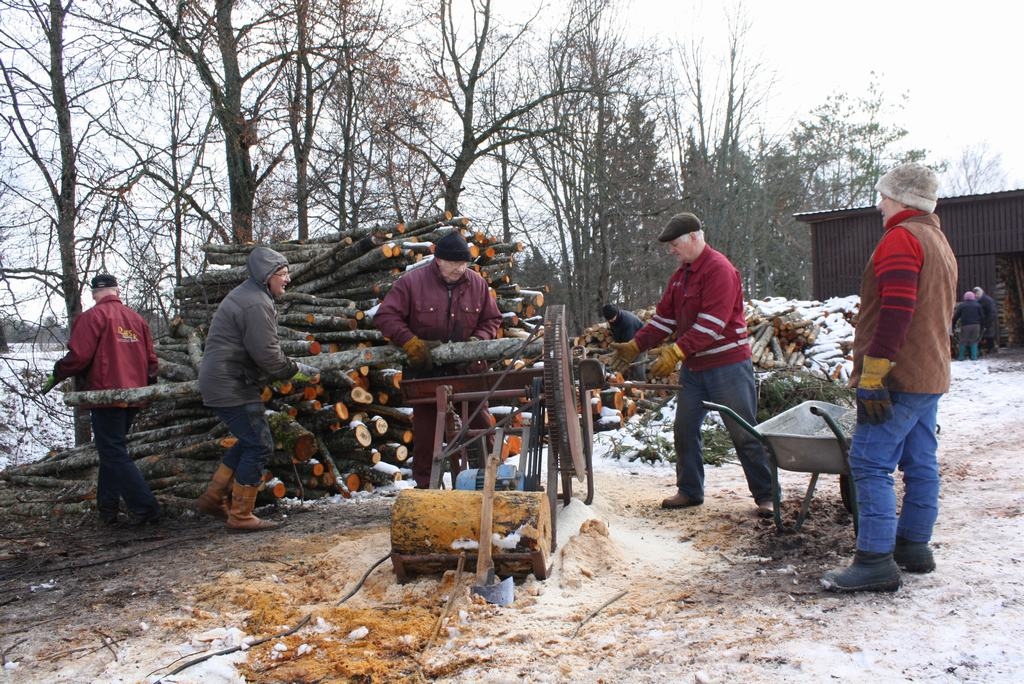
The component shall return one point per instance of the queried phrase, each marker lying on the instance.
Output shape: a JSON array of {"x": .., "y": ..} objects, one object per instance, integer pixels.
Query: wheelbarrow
[{"x": 807, "y": 438}]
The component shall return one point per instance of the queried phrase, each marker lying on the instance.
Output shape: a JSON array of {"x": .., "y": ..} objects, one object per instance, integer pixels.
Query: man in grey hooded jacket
[{"x": 242, "y": 354}]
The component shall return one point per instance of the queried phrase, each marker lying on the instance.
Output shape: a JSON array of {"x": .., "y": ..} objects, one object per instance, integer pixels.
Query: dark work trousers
[
  {"x": 249, "y": 456},
  {"x": 733, "y": 386},
  {"x": 119, "y": 477},
  {"x": 424, "y": 420}
]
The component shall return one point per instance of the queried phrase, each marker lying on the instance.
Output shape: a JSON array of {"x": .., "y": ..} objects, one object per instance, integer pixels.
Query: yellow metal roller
[{"x": 430, "y": 528}]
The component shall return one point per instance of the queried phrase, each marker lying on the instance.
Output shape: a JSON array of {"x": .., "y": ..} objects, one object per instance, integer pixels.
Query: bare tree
[
  {"x": 978, "y": 169},
  {"x": 458, "y": 76},
  {"x": 333, "y": 50},
  {"x": 354, "y": 174},
  {"x": 41, "y": 103},
  {"x": 597, "y": 167},
  {"x": 744, "y": 185},
  {"x": 713, "y": 122},
  {"x": 39, "y": 121},
  {"x": 239, "y": 69}
]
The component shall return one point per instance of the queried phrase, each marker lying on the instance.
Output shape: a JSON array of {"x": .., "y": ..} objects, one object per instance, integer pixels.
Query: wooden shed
[{"x": 986, "y": 233}]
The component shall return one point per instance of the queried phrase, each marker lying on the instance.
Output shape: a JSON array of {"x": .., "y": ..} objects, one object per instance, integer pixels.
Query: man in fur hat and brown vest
[{"x": 900, "y": 369}]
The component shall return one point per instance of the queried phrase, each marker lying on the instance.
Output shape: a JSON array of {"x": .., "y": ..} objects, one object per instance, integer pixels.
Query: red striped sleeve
[{"x": 897, "y": 263}]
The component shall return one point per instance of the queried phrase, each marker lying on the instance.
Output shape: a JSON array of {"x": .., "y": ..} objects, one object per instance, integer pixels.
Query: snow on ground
[
  {"x": 710, "y": 594},
  {"x": 34, "y": 425}
]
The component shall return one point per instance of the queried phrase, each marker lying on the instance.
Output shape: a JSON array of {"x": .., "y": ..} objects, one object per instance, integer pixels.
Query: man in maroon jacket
[
  {"x": 701, "y": 312},
  {"x": 440, "y": 302},
  {"x": 111, "y": 347}
]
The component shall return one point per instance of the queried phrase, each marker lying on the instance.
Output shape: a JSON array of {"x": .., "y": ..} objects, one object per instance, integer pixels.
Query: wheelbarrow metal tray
[{"x": 803, "y": 442}]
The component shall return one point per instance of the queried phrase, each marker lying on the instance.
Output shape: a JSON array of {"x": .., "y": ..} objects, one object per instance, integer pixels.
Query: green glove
[
  {"x": 625, "y": 354},
  {"x": 306, "y": 373},
  {"x": 51, "y": 382},
  {"x": 669, "y": 357},
  {"x": 418, "y": 352}
]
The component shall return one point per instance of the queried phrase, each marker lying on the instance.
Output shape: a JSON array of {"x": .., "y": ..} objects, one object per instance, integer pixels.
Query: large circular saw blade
[{"x": 560, "y": 393}]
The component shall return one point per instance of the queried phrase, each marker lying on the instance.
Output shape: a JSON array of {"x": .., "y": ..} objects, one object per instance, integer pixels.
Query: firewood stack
[
  {"x": 345, "y": 434},
  {"x": 612, "y": 407},
  {"x": 784, "y": 335},
  {"x": 778, "y": 341}
]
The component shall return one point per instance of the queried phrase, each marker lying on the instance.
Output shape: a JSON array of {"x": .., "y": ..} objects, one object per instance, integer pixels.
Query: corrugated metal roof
[{"x": 833, "y": 214}]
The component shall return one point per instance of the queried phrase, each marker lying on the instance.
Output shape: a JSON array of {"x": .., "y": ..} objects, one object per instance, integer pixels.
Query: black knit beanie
[{"x": 452, "y": 247}]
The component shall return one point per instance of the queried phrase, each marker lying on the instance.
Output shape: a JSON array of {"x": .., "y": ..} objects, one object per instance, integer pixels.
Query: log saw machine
[{"x": 432, "y": 528}]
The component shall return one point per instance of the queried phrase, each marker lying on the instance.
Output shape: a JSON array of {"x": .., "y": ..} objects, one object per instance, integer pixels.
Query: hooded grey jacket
[{"x": 242, "y": 349}]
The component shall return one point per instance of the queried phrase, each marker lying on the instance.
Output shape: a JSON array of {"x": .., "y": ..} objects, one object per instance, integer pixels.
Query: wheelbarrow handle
[
  {"x": 833, "y": 425},
  {"x": 735, "y": 416}
]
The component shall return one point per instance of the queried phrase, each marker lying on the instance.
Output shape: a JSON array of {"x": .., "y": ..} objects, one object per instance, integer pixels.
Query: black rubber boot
[
  {"x": 913, "y": 556},
  {"x": 868, "y": 572}
]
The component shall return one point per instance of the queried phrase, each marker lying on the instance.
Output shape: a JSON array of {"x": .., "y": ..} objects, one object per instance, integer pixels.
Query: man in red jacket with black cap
[{"x": 112, "y": 348}]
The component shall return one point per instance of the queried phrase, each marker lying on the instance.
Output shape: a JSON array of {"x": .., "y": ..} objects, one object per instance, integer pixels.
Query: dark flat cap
[
  {"x": 103, "y": 280},
  {"x": 680, "y": 224}
]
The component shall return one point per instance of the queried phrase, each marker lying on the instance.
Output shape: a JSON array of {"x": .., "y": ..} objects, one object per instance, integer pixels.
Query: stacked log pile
[
  {"x": 785, "y": 335},
  {"x": 777, "y": 341},
  {"x": 347, "y": 433},
  {"x": 811, "y": 336},
  {"x": 613, "y": 406}
]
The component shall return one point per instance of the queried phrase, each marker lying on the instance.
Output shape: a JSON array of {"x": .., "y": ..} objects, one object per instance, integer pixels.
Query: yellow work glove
[
  {"x": 418, "y": 353},
  {"x": 669, "y": 356},
  {"x": 625, "y": 354},
  {"x": 873, "y": 402}
]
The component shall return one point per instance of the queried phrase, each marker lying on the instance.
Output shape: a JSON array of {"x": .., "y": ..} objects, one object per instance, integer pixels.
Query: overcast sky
[{"x": 958, "y": 63}]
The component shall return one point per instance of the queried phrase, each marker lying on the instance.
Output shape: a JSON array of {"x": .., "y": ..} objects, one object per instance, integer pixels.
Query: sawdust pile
[
  {"x": 351, "y": 644},
  {"x": 590, "y": 554}
]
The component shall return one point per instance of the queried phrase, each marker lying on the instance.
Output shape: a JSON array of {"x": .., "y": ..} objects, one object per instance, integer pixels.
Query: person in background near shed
[
  {"x": 443, "y": 301},
  {"x": 989, "y": 323},
  {"x": 112, "y": 347},
  {"x": 969, "y": 315},
  {"x": 702, "y": 311},
  {"x": 242, "y": 354},
  {"x": 901, "y": 367},
  {"x": 624, "y": 324}
]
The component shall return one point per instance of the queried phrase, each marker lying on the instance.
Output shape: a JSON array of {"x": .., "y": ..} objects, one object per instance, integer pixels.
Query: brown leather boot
[
  {"x": 681, "y": 500},
  {"x": 214, "y": 501},
  {"x": 241, "y": 519}
]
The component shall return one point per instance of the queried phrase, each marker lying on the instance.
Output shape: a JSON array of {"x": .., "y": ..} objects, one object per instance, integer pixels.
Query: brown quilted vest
[{"x": 922, "y": 364}]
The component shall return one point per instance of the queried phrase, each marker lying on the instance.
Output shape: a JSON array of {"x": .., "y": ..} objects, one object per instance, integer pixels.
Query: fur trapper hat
[{"x": 912, "y": 185}]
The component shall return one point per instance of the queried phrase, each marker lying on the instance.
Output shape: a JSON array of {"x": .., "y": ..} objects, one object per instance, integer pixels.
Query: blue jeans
[
  {"x": 731, "y": 386},
  {"x": 906, "y": 441},
  {"x": 119, "y": 477},
  {"x": 248, "y": 457}
]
